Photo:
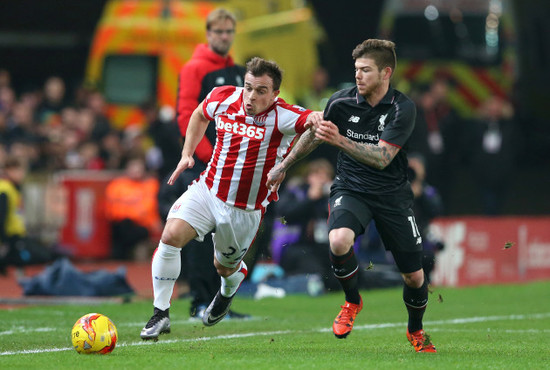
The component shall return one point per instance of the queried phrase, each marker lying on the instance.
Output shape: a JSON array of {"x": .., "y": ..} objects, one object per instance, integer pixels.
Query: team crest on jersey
[
  {"x": 260, "y": 120},
  {"x": 382, "y": 122},
  {"x": 300, "y": 109}
]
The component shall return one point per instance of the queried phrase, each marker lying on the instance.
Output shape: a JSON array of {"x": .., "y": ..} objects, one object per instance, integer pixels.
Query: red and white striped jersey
[{"x": 248, "y": 147}]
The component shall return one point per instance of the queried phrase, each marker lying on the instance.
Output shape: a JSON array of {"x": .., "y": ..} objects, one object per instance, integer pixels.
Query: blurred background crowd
[{"x": 493, "y": 162}]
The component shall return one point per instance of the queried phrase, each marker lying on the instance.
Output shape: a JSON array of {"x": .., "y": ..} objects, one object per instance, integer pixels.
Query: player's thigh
[
  {"x": 348, "y": 211},
  {"x": 177, "y": 232},
  {"x": 197, "y": 208},
  {"x": 399, "y": 232},
  {"x": 235, "y": 231}
]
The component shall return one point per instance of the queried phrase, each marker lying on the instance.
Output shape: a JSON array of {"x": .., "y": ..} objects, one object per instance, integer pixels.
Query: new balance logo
[
  {"x": 353, "y": 119},
  {"x": 338, "y": 202}
]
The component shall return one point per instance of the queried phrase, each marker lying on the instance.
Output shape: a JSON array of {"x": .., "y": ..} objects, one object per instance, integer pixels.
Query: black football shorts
[{"x": 394, "y": 220}]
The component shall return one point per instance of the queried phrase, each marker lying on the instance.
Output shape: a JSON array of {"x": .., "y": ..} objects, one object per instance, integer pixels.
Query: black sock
[
  {"x": 416, "y": 300},
  {"x": 165, "y": 313},
  {"x": 345, "y": 269}
]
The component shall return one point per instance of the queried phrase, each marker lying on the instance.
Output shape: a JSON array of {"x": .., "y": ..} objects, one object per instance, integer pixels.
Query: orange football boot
[
  {"x": 420, "y": 341},
  {"x": 344, "y": 321}
]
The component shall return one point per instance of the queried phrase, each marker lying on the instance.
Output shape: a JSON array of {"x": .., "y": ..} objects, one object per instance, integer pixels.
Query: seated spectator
[
  {"x": 303, "y": 205},
  {"x": 131, "y": 207}
]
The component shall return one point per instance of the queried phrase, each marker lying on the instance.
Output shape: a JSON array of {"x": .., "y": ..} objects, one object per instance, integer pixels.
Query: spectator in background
[
  {"x": 427, "y": 206},
  {"x": 5, "y": 78},
  {"x": 21, "y": 123},
  {"x": 304, "y": 204},
  {"x": 101, "y": 125},
  {"x": 436, "y": 135},
  {"x": 7, "y": 100},
  {"x": 3, "y": 153},
  {"x": 16, "y": 248},
  {"x": 164, "y": 132},
  {"x": 111, "y": 150},
  {"x": 494, "y": 141},
  {"x": 53, "y": 101},
  {"x": 89, "y": 154},
  {"x": 131, "y": 208},
  {"x": 317, "y": 94},
  {"x": 209, "y": 66},
  {"x": 315, "y": 97},
  {"x": 12, "y": 225}
]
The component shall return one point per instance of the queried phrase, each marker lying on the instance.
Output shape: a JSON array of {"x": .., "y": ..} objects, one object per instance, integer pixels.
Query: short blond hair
[{"x": 219, "y": 14}]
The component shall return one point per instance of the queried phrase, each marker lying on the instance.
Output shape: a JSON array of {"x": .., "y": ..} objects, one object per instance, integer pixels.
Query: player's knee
[
  {"x": 414, "y": 279},
  {"x": 171, "y": 236},
  {"x": 177, "y": 233},
  {"x": 341, "y": 240},
  {"x": 223, "y": 270}
]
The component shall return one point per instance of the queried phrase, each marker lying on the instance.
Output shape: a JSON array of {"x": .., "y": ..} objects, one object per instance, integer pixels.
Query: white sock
[
  {"x": 231, "y": 284},
  {"x": 165, "y": 269}
]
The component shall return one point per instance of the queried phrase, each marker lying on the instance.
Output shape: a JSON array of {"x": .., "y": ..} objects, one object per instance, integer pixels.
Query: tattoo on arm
[
  {"x": 305, "y": 145},
  {"x": 377, "y": 156}
]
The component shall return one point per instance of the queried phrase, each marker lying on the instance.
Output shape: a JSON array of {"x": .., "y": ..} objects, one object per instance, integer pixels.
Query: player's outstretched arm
[
  {"x": 195, "y": 132},
  {"x": 377, "y": 156},
  {"x": 305, "y": 145}
]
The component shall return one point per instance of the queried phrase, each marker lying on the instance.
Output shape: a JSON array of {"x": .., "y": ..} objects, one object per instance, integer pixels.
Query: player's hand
[
  {"x": 314, "y": 119},
  {"x": 184, "y": 163},
  {"x": 327, "y": 132},
  {"x": 274, "y": 179}
]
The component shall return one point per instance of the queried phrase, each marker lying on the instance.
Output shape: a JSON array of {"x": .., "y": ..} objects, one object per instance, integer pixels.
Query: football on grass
[{"x": 94, "y": 333}]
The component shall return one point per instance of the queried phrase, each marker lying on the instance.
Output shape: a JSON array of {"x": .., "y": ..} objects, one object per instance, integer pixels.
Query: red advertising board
[
  {"x": 85, "y": 232},
  {"x": 480, "y": 250}
]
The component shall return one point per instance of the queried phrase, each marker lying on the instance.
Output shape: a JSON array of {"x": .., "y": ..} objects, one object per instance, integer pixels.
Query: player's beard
[{"x": 371, "y": 88}]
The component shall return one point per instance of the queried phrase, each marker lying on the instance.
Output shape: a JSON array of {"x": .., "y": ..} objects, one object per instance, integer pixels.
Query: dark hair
[
  {"x": 381, "y": 51},
  {"x": 13, "y": 162},
  {"x": 258, "y": 67}
]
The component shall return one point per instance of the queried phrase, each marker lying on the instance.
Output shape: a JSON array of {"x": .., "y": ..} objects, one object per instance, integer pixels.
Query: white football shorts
[{"x": 234, "y": 229}]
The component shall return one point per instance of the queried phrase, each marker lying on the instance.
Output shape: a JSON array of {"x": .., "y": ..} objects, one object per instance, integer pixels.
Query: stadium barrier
[
  {"x": 68, "y": 209},
  {"x": 492, "y": 250}
]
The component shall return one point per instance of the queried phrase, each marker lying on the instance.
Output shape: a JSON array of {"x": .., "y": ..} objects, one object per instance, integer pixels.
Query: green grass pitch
[{"x": 488, "y": 327}]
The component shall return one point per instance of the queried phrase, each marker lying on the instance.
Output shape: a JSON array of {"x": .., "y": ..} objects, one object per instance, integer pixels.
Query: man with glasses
[{"x": 210, "y": 66}]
